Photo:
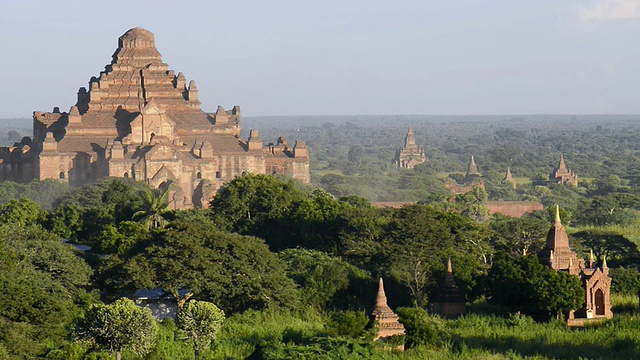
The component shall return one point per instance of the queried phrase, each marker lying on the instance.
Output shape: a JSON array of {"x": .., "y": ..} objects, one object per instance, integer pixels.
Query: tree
[
  {"x": 256, "y": 205},
  {"x": 235, "y": 272},
  {"x": 154, "y": 208},
  {"x": 200, "y": 322},
  {"x": 24, "y": 212},
  {"x": 42, "y": 281},
  {"x": 118, "y": 326},
  {"x": 416, "y": 242},
  {"x": 356, "y": 154},
  {"x": 321, "y": 277},
  {"x": 618, "y": 250},
  {"x": 527, "y": 285},
  {"x": 558, "y": 292},
  {"x": 519, "y": 236}
]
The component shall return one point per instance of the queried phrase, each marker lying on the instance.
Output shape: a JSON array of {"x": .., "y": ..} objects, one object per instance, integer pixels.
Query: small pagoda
[
  {"x": 450, "y": 301},
  {"x": 508, "y": 178},
  {"x": 472, "y": 171},
  {"x": 386, "y": 321}
]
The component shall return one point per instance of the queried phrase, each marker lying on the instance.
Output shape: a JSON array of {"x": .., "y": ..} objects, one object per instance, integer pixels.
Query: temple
[
  {"x": 385, "y": 319},
  {"x": 562, "y": 175},
  {"x": 409, "y": 155},
  {"x": 141, "y": 120},
  {"x": 596, "y": 280}
]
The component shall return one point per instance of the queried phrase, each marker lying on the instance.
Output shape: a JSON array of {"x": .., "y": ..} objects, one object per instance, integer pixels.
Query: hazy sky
[{"x": 340, "y": 57}]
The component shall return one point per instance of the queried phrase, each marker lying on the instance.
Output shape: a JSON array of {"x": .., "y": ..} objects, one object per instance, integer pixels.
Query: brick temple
[
  {"x": 596, "y": 280},
  {"x": 140, "y": 120}
]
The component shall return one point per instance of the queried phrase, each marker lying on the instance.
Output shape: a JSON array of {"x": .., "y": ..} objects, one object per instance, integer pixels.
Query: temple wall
[
  {"x": 51, "y": 165},
  {"x": 513, "y": 208}
]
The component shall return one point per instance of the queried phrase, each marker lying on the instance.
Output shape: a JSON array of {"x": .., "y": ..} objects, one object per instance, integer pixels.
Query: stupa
[
  {"x": 386, "y": 320},
  {"x": 450, "y": 300}
]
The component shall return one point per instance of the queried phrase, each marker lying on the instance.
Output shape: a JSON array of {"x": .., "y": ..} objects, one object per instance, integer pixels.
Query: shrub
[
  {"x": 348, "y": 323},
  {"x": 422, "y": 328}
]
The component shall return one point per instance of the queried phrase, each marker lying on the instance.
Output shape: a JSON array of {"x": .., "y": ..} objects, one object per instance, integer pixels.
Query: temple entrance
[{"x": 599, "y": 299}]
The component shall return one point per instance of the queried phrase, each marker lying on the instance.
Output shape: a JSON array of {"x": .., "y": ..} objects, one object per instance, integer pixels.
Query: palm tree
[{"x": 155, "y": 204}]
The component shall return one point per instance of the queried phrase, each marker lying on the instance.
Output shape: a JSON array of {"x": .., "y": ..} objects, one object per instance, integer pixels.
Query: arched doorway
[{"x": 599, "y": 300}]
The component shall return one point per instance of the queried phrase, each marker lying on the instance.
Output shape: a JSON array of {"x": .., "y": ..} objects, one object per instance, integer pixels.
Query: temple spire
[
  {"x": 558, "y": 214},
  {"x": 409, "y": 139}
]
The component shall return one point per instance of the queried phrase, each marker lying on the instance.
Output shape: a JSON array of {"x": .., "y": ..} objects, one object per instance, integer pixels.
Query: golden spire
[
  {"x": 604, "y": 261},
  {"x": 591, "y": 255},
  {"x": 557, "y": 213},
  {"x": 570, "y": 262},
  {"x": 449, "y": 267},
  {"x": 381, "y": 300},
  {"x": 551, "y": 255}
]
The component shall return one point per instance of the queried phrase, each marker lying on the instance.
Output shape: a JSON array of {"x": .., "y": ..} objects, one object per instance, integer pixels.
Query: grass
[
  {"x": 522, "y": 181},
  {"x": 287, "y": 334},
  {"x": 630, "y": 231}
]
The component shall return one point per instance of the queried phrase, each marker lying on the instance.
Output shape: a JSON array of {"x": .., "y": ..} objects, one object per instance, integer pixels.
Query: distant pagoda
[
  {"x": 508, "y": 179},
  {"x": 409, "y": 155},
  {"x": 472, "y": 170},
  {"x": 386, "y": 320}
]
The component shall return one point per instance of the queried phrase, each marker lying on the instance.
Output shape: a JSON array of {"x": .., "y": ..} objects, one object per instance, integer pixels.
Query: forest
[{"x": 279, "y": 269}]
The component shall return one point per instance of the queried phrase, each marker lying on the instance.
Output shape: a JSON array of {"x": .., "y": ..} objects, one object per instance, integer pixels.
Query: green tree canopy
[
  {"x": 526, "y": 285},
  {"x": 618, "y": 250},
  {"x": 41, "y": 280},
  {"x": 324, "y": 279},
  {"x": 236, "y": 272}
]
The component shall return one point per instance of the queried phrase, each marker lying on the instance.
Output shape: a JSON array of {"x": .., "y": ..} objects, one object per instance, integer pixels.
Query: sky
[{"x": 347, "y": 57}]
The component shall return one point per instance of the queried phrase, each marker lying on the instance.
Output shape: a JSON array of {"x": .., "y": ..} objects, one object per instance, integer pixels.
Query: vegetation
[{"x": 294, "y": 268}]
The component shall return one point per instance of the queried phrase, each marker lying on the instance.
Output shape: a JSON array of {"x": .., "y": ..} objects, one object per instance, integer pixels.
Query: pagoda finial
[
  {"x": 592, "y": 260},
  {"x": 449, "y": 267},
  {"x": 381, "y": 300},
  {"x": 591, "y": 255},
  {"x": 557, "y": 213},
  {"x": 604, "y": 262},
  {"x": 570, "y": 262},
  {"x": 551, "y": 255}
]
